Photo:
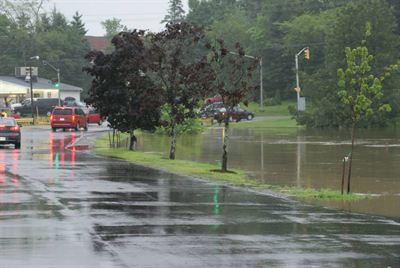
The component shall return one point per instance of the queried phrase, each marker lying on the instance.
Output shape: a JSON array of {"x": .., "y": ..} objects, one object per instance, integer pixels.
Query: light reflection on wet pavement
[{"x": 69, "y": 208}]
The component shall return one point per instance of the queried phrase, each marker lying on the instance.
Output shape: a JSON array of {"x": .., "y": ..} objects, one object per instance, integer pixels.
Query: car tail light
[
  {"x": 15, "y": 129},
  {"x": 2, "y": 126},
  {"x": 51, "y": 117},
  {"x": 73, "y": 118}
]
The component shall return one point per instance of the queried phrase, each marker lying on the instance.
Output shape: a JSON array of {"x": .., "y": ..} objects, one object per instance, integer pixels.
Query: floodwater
[
  {"x": 62, "y": 206},
  {"x": 307, "y": 158}
]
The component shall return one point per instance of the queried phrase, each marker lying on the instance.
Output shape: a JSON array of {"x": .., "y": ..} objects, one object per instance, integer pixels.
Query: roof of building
[
  {"x": 41, "y": 83},
  {"x": 98, "y": 42}
]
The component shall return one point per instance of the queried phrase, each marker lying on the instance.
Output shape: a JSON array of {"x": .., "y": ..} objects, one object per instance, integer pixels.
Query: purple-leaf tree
[
  {"x": 180, "y": 67},
  {"x": 121, "y": 90},
  {"x": 233, "y": 82}
]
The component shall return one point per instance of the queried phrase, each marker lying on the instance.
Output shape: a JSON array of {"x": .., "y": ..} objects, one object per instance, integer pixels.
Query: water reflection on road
[{"x": 308, "y": 158}]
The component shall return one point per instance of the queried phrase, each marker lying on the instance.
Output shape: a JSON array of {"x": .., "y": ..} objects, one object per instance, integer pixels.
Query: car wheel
[
  {"x": 77, "y": 127},
  {"x": 17, "y": 145},
  {"x": 250, "y": 117},
  {"x": 54, "y": 129},
  {"x": 64, "y": 129}
]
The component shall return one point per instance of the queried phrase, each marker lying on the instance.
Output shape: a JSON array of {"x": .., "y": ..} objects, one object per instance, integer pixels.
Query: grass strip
[
  {"x": 204, "y": 171},
  {"x": 26, "y": 121},
  {"x": 282, "y": 109},
  {"x": 268, "y": 122}
]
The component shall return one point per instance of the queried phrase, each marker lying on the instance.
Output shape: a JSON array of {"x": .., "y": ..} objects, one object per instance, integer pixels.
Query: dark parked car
[
  {"x": 10, "y": 132},
  {"x": 211, "y": 109},
  {"x": 42, "y": 107},
  {"x": 68, "y": 117},
  {"x": 236, "y": 114}
]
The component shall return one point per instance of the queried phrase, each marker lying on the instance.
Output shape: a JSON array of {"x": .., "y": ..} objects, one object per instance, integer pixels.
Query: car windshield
[
  {"x": 62, "y": 112},
  {"x": 8, "y": 122}
]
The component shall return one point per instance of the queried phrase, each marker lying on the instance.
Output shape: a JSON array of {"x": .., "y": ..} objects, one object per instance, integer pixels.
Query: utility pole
[
  {"x": 31, "y": 86},
  {"x": 58, "y": 79},
  {"x": 261, "y": 86}
]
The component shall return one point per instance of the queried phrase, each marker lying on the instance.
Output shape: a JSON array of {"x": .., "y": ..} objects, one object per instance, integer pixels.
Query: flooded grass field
[{"x": 306, "y": 158}]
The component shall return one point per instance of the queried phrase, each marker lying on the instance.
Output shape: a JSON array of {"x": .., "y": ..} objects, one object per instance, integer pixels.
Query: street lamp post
[
  {"x": 260, "y": 61},
  {"x": 58, "y": 79},
  {"x": 31, "y": 86},
  {"x": 297, "y": 75}
]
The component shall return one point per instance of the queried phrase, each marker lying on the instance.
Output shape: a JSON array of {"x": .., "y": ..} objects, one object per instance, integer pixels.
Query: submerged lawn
[{"x": 205, "y": 171}]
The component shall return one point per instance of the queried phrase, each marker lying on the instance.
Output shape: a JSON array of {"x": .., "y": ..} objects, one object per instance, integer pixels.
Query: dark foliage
[
  {"x": 233, "y": 82},
  {"x": 179, "y": 66},
  {"x": 121, "y": 90}
]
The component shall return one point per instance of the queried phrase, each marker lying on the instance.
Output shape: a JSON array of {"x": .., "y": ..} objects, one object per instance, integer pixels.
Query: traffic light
[
  {"x": 307, "y": 53},
  {"x": 55, "y": 83}
]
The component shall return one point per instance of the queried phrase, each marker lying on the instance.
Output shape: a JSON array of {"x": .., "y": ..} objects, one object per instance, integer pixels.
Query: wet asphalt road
[{"x": 65, "y": 207}]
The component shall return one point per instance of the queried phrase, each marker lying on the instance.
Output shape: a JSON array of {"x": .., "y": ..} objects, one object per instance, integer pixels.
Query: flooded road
[
  {"x": 68, "y": 208},
  {"x": 307, "y": 158}
]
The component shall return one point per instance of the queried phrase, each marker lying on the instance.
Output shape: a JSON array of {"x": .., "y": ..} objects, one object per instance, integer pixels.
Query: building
[
  {"x": 17, "y": 88},
  {"x": 98, "y": 43}
]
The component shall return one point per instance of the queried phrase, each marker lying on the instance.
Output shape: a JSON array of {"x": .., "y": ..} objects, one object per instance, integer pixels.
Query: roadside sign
[{"x": 301, "y": 105}]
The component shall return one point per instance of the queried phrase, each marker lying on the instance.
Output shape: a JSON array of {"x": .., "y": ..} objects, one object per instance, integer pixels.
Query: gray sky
[{"x": 139, "y": 14}]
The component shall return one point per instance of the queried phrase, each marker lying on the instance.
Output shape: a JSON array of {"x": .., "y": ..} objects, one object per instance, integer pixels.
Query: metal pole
[
  {"x": 297, "y": 80},
  {"x": 31, "y": 85},
  {"x": 343, "y": 172},
  {"x": 261, "y": 86},
  {"x": 59, "y": 87}
]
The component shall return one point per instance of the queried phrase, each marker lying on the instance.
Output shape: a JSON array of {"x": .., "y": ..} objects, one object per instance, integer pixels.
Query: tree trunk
[
  {"x": 353, "y": 127},
  {"x": 173, "y": 142},
  {"x": 109, "y": 139},
  {"x": 113, "y": 138},
  {"x": 132, "y": 140},
  {"x": 225, "y": 137}
]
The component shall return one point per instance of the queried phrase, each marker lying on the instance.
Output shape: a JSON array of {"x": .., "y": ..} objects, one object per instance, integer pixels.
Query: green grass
[
  {"x": 268, "y": 122},
  {"x": 270, "y": 110},
  {"x": 204, "y": 171},
  {"x": 323, "y": 194}
]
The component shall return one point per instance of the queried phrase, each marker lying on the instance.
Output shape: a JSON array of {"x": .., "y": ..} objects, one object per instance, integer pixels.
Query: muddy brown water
[{"x": 307, "y": 158}]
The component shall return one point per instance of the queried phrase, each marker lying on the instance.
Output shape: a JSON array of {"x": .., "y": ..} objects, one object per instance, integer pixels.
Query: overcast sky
[{"x": 139, "y": 14}]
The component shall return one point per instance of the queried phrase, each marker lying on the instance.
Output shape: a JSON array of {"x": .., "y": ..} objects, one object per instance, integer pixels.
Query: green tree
[
  {"x": 206, "y": 12},
  {"x": 360, "y": 92},
  {"x": 77, "y": 25},
  {"x": 348, "y": 28},
  {"x": 176, "y": 13},
  {"x": 112, "y": 27},
  {"x": 233, "y": 28},
  {"x": 64, "y": 45}
]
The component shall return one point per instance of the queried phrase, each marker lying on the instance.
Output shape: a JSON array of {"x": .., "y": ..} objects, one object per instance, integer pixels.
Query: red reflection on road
[
  {"x": 59, "y": 154},
  {"x": 14, "y": 167},
  {"x": 2, "y": 168}
]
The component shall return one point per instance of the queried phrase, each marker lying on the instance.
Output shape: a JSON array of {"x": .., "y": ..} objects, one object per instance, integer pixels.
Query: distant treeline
[{"x": 277, "y": 29}]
